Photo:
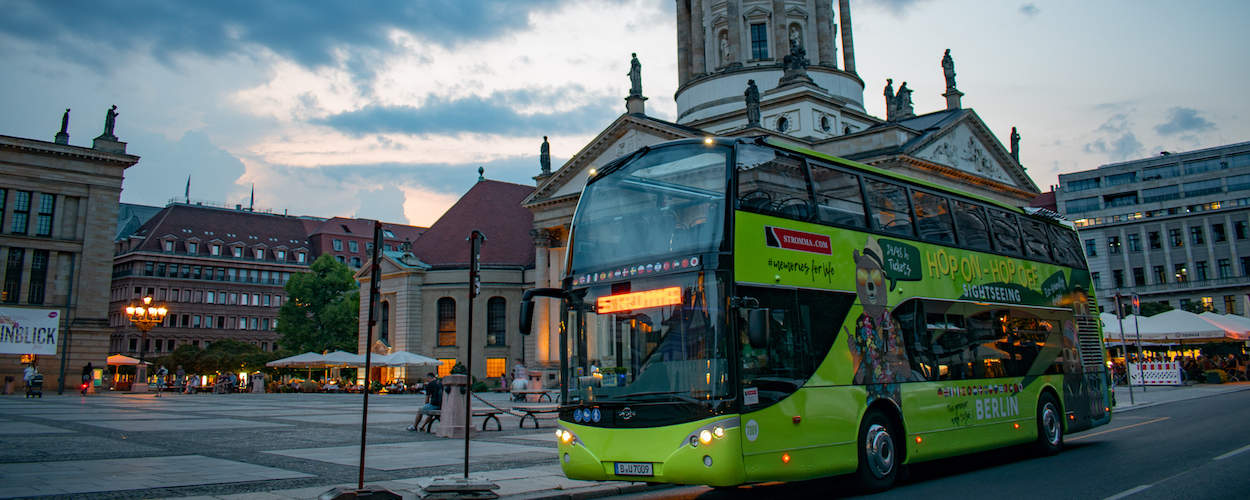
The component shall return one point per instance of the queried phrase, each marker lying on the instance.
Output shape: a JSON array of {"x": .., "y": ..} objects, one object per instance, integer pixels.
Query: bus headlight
[
  {"x": 705, "y": 436},
  {"x": 718, "y": 431}
]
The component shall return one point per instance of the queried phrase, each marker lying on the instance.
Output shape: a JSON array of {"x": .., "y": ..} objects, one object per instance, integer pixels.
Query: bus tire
[
  {"x": 879, "y": 456},
  {"x": 1049, "y": 425}
]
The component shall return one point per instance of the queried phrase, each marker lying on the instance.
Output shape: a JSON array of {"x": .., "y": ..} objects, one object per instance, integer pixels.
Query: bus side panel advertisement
[
  {"x": 762, "y": 257},
  {"x": 29, "y": 331}
]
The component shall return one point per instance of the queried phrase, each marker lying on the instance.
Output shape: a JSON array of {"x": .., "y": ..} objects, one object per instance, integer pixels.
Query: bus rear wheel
[
  {"x": 1049, "y": 425},
  {"x": 878, "y": 452}
]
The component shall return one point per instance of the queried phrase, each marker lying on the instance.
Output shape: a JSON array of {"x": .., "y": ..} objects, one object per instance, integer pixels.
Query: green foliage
[
  {"x": 220, "y": 356},
  {"x": 322, "y": 311},
  {"x": 459, "y": 369},
  {"x": 1194, "y": 307},
  {"x": 1153, "y": 308}
]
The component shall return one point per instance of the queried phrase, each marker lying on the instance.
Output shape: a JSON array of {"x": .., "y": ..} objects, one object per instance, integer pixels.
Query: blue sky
[{"x": 386, "y": 109}]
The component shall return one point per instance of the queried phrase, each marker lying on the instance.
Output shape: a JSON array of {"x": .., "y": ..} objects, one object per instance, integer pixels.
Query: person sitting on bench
[{"x": 433, "y": 402}]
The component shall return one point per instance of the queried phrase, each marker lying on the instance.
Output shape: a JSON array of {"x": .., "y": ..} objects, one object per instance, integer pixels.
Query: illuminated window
[
  {"x": 1208, "y": 303},
  {"x": 446, "y": 321},
  {"x": 496, "y": 319},
  {"x": 444, "y": 369},
  {"x": 495, "y": 367}
]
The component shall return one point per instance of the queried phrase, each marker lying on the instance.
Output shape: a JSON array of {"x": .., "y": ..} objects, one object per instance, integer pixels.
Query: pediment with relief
[
  {"x": 629, "y": 142},
  {"x": 961, "y": 149}
]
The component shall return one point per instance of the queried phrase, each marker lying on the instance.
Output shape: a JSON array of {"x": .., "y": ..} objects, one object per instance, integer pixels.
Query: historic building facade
[
  {"x": 350, "y": 240},
  {"x": 771, "y": 68},
  {"x": 58, "y": 206},
  {"x": 424, "y": 306},
  {"x": 221, "y": 271},
  {"x": 1174, "y": 228}
]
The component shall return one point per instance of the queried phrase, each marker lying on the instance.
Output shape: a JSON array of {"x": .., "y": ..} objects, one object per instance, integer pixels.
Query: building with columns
[
  {"x": 58, "y": 214},
  {"x": 1173, "y": 228},
  {"x": 771, "y": 68}
]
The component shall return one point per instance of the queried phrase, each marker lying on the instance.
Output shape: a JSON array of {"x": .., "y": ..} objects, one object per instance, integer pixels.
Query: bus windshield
[
  {"x": 658, "y": 339},
  {"x": 664, "y": 202}
]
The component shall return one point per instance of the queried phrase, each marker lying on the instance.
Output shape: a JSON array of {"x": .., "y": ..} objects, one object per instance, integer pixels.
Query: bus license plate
[{"x": 633, "y": 469}]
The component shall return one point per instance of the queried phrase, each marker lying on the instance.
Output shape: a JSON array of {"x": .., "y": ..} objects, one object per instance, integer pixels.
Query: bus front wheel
[
  {"x": 1049, "y": 425},
  {"x": 878, "y": 452}
]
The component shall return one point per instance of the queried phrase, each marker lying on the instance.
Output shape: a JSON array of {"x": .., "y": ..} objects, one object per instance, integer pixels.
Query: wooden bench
[
  {"x": 532, "y": 411},
  {"x": 490, "y": 414}
]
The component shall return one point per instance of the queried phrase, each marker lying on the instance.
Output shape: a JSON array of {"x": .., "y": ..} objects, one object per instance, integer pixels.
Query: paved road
[{"x": 1192, "y": 449}]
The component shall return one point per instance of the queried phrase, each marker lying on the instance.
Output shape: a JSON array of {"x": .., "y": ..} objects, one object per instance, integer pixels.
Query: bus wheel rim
[
  {"x": 1050, "y": 424},
  {"x": 880, "y": 450}
]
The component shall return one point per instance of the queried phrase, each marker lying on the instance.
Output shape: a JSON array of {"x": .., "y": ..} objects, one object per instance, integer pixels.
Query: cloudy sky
[{"x": 386, "y": 109}]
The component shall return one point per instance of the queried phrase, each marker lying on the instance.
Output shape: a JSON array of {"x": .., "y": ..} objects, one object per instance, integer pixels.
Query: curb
[
  {"x": 598, "y": 491},
  {"x": 1157, "y": 403}
]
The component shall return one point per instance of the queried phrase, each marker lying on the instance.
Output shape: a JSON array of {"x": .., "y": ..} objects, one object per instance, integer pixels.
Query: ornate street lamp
[{"x": 144, "y": 316}]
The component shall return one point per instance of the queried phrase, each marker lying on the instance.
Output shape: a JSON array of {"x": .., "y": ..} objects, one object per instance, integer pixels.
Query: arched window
[
  {"x": 384, "y": 323},
  {"x": 496, "y": 319},
  {"x": 446, "y": 321}
]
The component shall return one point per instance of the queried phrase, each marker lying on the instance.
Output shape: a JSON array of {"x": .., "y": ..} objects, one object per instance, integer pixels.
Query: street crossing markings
[
  {"x": 1130, "y": 491},
  {"x": 1078, "y": 438},
  {"x": 1237, "y": 451}
]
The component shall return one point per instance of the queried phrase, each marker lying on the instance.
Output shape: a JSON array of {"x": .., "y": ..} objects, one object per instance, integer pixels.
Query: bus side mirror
[
  {"x": 527, "y": 316},
  {"x": 757, "y": 327}
]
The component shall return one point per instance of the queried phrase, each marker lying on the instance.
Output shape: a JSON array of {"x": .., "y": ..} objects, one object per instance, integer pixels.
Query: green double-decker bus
[{"x": 743, "y": 310}]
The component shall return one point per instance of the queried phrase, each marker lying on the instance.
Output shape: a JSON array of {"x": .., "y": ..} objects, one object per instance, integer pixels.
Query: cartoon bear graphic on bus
[{"x": 876, "y": 344}]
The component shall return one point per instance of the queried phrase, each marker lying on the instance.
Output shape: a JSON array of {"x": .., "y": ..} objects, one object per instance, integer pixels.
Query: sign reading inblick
[{"x": 29, "y": 331}]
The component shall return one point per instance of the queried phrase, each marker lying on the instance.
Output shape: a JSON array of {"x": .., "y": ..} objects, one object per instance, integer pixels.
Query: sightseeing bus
[{"x": 744, "y": 310}]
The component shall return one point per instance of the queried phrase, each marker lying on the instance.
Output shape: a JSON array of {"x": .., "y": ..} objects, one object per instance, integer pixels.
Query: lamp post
[{"x": 144, "y": 316}]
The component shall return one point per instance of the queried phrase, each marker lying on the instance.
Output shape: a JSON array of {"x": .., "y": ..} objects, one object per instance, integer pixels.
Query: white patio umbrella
[
  {"x": 344, "y": 358},
  {"x": 405, "y": 358},
  {"x": 1237, "y": 326},
  {"x": 306, "y": 360}
]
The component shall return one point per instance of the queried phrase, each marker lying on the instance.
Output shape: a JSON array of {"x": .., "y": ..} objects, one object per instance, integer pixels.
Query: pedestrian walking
[{"x": 162, "y": 374}]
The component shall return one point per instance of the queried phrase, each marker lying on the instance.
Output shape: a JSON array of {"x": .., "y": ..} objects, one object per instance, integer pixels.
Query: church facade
[{"x": 779, "y": 68}]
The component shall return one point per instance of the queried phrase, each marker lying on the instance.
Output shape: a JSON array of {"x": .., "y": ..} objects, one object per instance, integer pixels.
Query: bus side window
[
  {"x": 910, "y": 317},
  {"x": 974, "y": 232},
  {"x": 838, "y": 196},
  {"x": 772, "y": 184},
  {"x": 1066, "y": 247},
  {"x": 1006, "y": 233},
  {"x": 1036, "y": 245},
  {"x": 802, "y": 326},
  {"x": 891, "y": 212},
  {"x": 933, "y": 217}
]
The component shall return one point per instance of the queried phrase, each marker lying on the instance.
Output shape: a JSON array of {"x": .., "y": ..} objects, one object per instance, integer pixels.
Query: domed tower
[{"x": 788, "y": 48}]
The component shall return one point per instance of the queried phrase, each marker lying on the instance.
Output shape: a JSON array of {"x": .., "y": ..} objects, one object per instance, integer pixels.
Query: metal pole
[
  {"x": 1124, "y": 349},
  {"x": 376, "y": 275},
  {"x": 476, "y": 238},
  {"x": 1139, "y": 358}
]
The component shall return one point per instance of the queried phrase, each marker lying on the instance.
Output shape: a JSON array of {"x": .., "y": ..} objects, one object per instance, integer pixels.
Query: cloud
[
  {"x": 310, "y": 32},
  {"x": 898, "y": 8},
  {"x": 1117, "y": 140},
  {"x": 449, "y": 116},
  {"x": 1030, "y": 10},
  {"x": 164, "y": 165},
  {"x": 1183, "y": 120}
]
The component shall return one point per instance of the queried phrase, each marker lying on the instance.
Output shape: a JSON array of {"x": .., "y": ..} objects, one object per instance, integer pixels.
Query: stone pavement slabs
[
  {"x": 426, "y": 453},
  {"x": 352, "y": 418},
  {"x": 87, "y": 476},
  {"x": 37, "y": 447},
  {"x": 24, "y": 428},
  {"x": 180, "y": 424}
]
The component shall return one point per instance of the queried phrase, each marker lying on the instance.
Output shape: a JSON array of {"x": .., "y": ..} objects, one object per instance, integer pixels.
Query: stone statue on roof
[
  {"x": 752, "y": 96},
  {"x": 635, "y": 75},
  {"x": 1015, "y": 144},
  {"x": 948, "y": 69},
  {"x": 889, "y": 99},
  {"x": 65, "y": 122},
  {"x": 544, "y": 156},
  {"x": 110, "y": 121},
  {"x": 902, "y": 103}
]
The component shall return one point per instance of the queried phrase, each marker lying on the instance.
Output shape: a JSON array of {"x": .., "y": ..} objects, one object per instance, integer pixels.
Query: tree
[
  {"x": 1152, "y": 308},
  {"x": 322, "y": 311},
  {"x": 1194, "y": 307}
]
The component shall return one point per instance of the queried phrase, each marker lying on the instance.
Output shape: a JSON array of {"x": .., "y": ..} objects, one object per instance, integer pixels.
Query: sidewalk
[
  {"x": 539, "y": 482},
  {"x": 1145, "y": 397}
]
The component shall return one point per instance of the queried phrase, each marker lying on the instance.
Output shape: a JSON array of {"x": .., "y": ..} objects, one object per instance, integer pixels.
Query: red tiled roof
[
  {"x": 1045, "y": 200},
  {"x": 208, "y": 224},
  {"x": 492, "y": 207},
  {"x": 364, "y": 228}
]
